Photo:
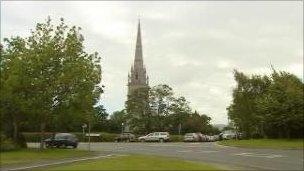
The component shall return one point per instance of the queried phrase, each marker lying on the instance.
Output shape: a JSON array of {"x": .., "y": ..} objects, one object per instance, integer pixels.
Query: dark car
[
  {"x": 62, "y": 140},
  {"x": 127, "y": 137}
]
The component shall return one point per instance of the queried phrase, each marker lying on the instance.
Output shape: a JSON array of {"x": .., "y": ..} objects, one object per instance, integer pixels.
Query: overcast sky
[{"x": 191, "y": 46}]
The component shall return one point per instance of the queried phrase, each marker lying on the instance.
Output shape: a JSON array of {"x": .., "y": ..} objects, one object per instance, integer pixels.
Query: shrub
[
  {"x": 177, "y": 138},
  {"x": 108, "y": 137},
  {"x": 7, "y": 144},
  {"x": 104, "y": 137},
  {"x": 35, "y": 136}
]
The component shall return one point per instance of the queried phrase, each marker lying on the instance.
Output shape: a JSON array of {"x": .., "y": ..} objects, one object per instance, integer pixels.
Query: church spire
[
  {"x": 138, "y": 60},
  {"x": 138, "y": 76}
]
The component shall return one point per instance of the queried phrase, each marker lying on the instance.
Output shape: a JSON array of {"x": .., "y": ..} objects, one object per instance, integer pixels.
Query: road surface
[{"x": 226, "y": 157}]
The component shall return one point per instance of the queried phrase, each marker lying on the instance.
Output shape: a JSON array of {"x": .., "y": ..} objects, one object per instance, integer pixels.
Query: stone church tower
[{"x": 138, "y": 78}]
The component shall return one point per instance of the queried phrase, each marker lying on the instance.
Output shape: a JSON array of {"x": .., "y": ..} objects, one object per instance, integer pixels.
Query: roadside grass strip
[
  {"x": 35, "y": 155},
  {"x": 265, "y": 143},
  {"x": 135, "y": 162},
  {"x": 60, "y": 162}
]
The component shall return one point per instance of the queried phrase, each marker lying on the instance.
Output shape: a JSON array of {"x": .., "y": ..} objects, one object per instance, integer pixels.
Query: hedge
[
  {"x": 104, "y": 137},
  {"x": 177, "y": 138},
  {"x": 7, "y": 144}
]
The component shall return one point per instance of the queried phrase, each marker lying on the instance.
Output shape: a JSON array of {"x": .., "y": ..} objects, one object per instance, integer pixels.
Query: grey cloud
[{"x": 192, "y": 46}]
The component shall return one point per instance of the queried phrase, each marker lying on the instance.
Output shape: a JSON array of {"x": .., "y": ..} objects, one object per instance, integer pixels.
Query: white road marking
[
  {"x": 63, "y": 162},
  {"x": 184, "y": 151},
  {"x": 270, "y": 156}
]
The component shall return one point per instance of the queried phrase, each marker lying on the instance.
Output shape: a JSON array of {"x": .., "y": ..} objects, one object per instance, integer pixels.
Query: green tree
[
  {"x": 116, "y": 120},
  {"x": 160, "y": 99},
  {"x": 100, "y": 119},
  {"x": 58, "y": 80},
  {"x": 138, "y": 110},
  {"x": 282, "y": 106},
  {"x": 268, "y": 106},
  {"x": 179, "y": 112}
]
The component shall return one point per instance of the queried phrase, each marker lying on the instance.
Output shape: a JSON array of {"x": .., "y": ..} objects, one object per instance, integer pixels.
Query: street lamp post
[
  {"x": 122, "y": 127},
  {"x": 84, "y": 126}
]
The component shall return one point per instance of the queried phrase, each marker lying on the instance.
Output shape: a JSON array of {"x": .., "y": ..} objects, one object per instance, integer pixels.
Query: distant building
[
  {"x": 138, "y": 78},
  {"x": 138, "y": 85}
]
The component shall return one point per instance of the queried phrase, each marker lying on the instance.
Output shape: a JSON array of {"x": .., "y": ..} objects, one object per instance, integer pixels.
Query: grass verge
[
  {"x": 265, "y": 143},
  {"x": 136, "y": 162},
  {"x": 32, "y": 155}
]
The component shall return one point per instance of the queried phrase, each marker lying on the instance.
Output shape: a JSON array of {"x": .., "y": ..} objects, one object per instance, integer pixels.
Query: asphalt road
[{"x": 225, "y": 157}]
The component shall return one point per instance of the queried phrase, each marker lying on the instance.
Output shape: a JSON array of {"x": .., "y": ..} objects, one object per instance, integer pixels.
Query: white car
[{"x": 155, "y": 136}]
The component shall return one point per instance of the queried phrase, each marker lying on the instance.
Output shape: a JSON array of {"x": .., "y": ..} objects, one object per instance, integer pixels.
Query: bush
[
  {"x": 108, "y": 137},
  {"x": 177, "y": 138},
  {"x": 35, "y": 136},
  {"x": 104, "y": 137},
  {"x": 7, "y": 144}
]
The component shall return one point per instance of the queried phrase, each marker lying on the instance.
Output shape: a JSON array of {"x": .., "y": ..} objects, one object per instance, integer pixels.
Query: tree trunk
[
  {"x": 42, "y": 132},
  {"x": 15, "y": 134}
]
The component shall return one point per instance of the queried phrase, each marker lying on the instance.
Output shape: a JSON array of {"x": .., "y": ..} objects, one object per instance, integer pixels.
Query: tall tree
[
  {"x": 138, "y": 110},
  {"x": 161, "y": 97},
  {"x": 60, "y": 81}
]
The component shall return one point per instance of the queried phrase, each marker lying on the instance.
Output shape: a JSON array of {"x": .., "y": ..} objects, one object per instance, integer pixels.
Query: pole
[
  {"x": 122, "y": 128},
  {"x": 89, "y": 136}
]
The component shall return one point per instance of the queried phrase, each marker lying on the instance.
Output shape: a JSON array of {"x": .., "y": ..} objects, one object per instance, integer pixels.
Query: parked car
[
  {"x": 227, "y": 135},
  {"x": 155, "y": 136},
  {"x": 204, "y": 138},
  {"x": 192, "y": 137},
  {"x": 212, "y": 138},
  {"x": 62, "y": 140},
  {"x": 216, "y": 137},
  {"x": 127, "y": 137}
]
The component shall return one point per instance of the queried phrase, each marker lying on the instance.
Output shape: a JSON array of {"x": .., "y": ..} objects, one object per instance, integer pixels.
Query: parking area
[{"x": 225, "y": 157}]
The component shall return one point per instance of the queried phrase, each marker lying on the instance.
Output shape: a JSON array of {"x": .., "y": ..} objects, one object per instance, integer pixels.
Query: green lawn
[
  {"x": 32, "y": 155},
  {"x": 266, "y": 143},
  {"x": 136, "y": 162}
]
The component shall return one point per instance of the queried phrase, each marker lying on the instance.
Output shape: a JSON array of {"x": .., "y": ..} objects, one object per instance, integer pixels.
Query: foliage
[
  {"x": 7, "y": 144},
  {"x": 164, "y": 112},
  {"x": 48, "y": 80},
  {"x": 268, "y": 106},
  {"x": 138, "y": 113}
]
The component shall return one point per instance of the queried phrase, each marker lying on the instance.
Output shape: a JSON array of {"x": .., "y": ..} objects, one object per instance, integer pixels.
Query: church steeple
[
  {"x": 138, "y": 60},
  {"x": 138, "y": 77}
]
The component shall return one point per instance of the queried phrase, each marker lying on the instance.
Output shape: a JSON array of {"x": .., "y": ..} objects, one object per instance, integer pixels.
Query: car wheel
[
  {"x": 74, "y": 146},
  {"x": 161, "y": 140}
]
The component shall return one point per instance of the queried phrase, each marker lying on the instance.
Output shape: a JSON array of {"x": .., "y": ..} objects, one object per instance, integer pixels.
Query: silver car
[
  {"x": 155, "y": 136},
  {"x": 192, "y": 137}
]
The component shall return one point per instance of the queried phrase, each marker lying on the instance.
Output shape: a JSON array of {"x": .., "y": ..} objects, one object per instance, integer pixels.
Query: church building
[
  {"x": 138, "y": 76},
  {"x": 138, "y": 94}
]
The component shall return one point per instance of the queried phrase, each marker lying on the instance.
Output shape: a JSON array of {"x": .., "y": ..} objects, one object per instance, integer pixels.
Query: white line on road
[
  {"x": 62, "y": 162},
  {"x": 206, "y": 151},
  {"x": 184, "y": 151},
  {"x": 270, "y": 156}
]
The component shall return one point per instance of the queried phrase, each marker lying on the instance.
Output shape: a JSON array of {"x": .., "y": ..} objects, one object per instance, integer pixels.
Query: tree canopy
[
  {"x": 268, "y": 106},
  {"x": 47, "y": 79}
]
